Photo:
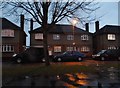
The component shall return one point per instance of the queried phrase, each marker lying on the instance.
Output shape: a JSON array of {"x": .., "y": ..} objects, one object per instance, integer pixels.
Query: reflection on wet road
[{"x": 108, "y": 77}]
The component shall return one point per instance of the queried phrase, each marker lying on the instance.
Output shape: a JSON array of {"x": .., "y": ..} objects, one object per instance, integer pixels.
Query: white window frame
[
  {"x": 69, "y": 48},
  {"x": 7, "y": 33},
  {"x": 56, "y": 36},
  {"x": 39, "y": 36},
  {"x": 7, "y": 48},
  {"x": 112, "y": 47},
  {"x": 57, "y": 48},
  {"x": 111, "y": 37},
  {"x": 70, "y": 37},
  {"x": 84, "y": 37},
  {"x": 85, "y": 49}
]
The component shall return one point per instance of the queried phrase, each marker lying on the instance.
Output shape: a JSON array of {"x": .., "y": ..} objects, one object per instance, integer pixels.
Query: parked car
[
  {"x": 30, "y": 55},
  {"x": 69, "y": 56},
  {"x": 113, "y": 54}
]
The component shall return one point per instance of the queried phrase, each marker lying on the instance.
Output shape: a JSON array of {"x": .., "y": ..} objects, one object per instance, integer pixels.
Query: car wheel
[
  {"x": 79, "y": 59},
  {"x": 59, "y": 59},
  {"x": 119, "y": 58},
  {"x": 102, "y": 58},
  {"x": 19, "y": 60}
]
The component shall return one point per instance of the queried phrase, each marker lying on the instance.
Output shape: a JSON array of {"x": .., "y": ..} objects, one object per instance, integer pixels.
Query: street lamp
[{"x": 74, "y": 22}]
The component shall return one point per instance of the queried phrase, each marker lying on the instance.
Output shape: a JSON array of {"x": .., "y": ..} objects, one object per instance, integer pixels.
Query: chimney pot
[
  {"x": 97, "y": 25},
  {"x": 87, "y": 27},
  {"x": 31, "y": 25}
]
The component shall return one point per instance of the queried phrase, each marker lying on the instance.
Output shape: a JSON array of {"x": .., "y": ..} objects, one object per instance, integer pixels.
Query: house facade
[
  {"x": 13, "y": 38},
  {"x": 107, "y": 37},
  {"x": 63, "y": 38}
]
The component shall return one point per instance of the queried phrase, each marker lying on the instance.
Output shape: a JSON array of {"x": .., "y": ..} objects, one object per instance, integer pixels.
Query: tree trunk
[
  {"x": 45, "y": 32},
  {"x": 45, "y": 44}
]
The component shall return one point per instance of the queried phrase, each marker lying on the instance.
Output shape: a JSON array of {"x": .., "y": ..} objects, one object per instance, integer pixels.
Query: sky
[{"x": 108, "y": 10}]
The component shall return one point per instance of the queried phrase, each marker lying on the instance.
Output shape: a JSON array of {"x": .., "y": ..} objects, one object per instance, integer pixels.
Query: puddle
[{"x": 107, "y": 78}]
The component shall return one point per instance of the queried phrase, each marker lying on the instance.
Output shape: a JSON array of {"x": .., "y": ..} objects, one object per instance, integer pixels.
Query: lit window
[
  {"x": 7, "y": 33},
  {"x": 69, "y": 48},
  {"x": 84, "y": 37},
  {"x": 112, "y": 47},
  {"x": 70, "y": 37},
  {"x": 111, "y": 36},
  {"x": 38, "y": 36},
  {"x": 85, "y": 49},
  {"x": 57, "y": 48},
  {"x": 7, "y": 48},
  {"x": 56, "y": 37}
]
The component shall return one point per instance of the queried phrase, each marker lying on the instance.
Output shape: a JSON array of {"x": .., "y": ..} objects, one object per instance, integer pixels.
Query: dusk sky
[{"x": 109, "y": 11}]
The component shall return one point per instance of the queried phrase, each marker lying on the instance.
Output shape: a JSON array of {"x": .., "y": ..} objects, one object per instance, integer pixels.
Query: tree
[{"x": 51, "y": 12}]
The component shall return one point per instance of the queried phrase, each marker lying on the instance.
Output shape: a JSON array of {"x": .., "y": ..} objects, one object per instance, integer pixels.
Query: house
[
  {"x": 107, "y": 37},
  {"x": 13, "y": 38},
  {"x": 63, "y": 38}
]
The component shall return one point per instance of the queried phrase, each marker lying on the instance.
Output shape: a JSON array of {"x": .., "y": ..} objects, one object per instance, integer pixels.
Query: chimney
[
  {"x": 87, "y": 27},
  {"x": 31, "y": 25},
  {"x": 22, "y": 22},
  {"x": 31, "y": 28},
  {"x": 97, "y": 25}
]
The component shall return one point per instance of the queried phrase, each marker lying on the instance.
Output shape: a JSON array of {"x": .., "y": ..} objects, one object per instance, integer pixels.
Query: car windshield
[{"x": 101, "y": 52}]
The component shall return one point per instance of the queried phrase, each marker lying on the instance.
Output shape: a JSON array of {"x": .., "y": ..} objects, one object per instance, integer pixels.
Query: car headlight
[{"x": 14, "y": 55}]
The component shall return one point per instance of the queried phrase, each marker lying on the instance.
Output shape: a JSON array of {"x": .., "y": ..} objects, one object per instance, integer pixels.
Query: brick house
[
  {"x": 13, "y": 38},
  {"x": 63, "y": 38},
  {"x": 107, "y": 37}
]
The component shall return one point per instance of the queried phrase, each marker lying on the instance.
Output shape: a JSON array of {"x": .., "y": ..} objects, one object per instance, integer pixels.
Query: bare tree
[{"x": 51, "y": 12}]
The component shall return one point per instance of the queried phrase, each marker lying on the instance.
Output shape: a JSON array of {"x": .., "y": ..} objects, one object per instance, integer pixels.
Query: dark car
[
  {"x": 113, "y": 54},
  {"x": 69, "y": 56},
  {"x": 30, "y": 55}
]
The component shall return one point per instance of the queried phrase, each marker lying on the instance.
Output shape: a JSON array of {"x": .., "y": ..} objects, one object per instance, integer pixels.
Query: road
[{"x": 84, "y": 63}]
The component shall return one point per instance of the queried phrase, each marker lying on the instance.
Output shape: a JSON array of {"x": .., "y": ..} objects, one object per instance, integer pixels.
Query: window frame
[
  {"x": 84, "y": 37},
  {"x": 57, "y": 49},
  {"x": 8, "y": 33},
  {"x": 38, "y": 36},
  {"x": 111, "y": 37},
  {"x": 56, "y": 36}
]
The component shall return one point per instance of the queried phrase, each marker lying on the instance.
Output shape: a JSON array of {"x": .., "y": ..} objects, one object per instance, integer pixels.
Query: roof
[
  {"x": 60, "y": 28},
  {"x": 109, "y": 29},
  {"x": 8, "y": 24}
]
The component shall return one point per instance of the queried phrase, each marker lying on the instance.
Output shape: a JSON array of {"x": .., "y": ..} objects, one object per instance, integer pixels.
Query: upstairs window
[
  {"x": 70, "y": 37},
  {"x": 84, "y": 37},
  {"x": 7, "y": 33},
  {"x": 39, "y": 36},
  {"x": 56, "y": 37},
  {"x": 111, "y": 36}
]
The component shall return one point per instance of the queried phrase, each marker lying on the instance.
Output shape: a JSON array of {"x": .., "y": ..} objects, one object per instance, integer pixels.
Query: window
[
  {"x": 111, "y": 36},
  {"x": 85, "y": 49},
  {"x": 112, "y": 47},
  {"x": 7, "y": 33},
  {"x": 57, "y": 48},
  {"x": 69, "y": 48},
  {"x": 38, "y": 36},
  {"x": 56, "y": 37},
  {"x": 70, "y": 37},
  {"x": 7, "y": 48},
  {"x": 84, "y": 37}
]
